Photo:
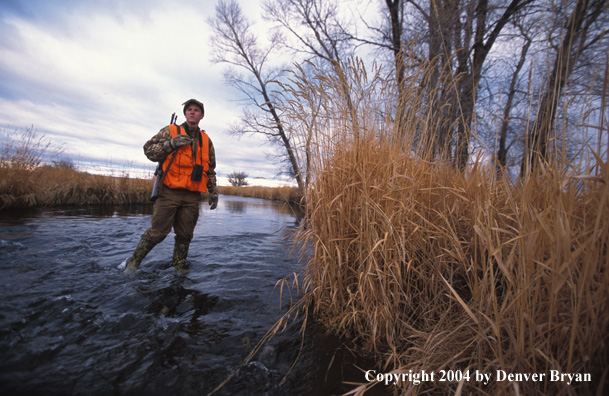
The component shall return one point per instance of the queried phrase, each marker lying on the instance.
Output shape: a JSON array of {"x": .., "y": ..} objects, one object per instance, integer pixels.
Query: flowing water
[{"x": 72, "y": 324}]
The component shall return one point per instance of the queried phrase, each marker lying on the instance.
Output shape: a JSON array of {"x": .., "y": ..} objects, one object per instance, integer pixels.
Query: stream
[{"x": 72, "y": 324}]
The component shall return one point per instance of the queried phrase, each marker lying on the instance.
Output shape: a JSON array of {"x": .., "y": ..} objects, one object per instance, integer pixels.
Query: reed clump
[
  {"x": 47, "y": 186},
  {"x": 425, "y": 267}
]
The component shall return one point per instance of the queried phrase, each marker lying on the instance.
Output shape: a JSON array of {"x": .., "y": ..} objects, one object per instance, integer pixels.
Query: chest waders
[
  {"x": 182, "y": 227},
  {"x": 142, "y": 249},
  {"x": 180, "y": 252}
]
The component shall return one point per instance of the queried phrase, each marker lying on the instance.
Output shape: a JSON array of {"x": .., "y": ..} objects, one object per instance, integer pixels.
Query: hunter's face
[{"x": 193, "y": 115}]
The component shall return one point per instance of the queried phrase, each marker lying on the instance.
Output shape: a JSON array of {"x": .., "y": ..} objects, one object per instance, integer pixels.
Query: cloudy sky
[{"x": 100, "y": 77}]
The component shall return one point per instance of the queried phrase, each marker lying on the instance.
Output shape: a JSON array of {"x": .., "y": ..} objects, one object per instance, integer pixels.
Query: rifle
[{"x": 159, "y": 172}]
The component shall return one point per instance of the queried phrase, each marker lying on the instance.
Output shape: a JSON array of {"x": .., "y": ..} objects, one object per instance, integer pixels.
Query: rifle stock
[{"x": 157, "y": 182}]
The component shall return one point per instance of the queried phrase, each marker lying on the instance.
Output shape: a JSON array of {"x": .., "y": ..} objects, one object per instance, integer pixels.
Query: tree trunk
[
  {"x": 469, "y": 83},
  {"x": 440, "y": 89},
  {"x": 584, "y": 13},
  {"x": 503, "y": 150},
  {"x": 394, "y": 7}
]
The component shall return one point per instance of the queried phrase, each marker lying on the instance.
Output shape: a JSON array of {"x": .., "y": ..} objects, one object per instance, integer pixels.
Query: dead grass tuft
[{"x": 427, "y": 268}]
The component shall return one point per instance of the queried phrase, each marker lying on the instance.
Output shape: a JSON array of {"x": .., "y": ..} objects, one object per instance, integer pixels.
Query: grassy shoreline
[
  {"x": 285, "y": 194},
  {"x": 48, "y": 186}
]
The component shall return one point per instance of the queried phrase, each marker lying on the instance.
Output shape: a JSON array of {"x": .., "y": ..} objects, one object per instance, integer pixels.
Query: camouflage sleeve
[
  {"x": 211, "y": 173},
  {"x": 153, "y": 148}
]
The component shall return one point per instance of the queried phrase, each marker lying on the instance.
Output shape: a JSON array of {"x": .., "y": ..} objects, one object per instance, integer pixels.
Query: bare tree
[
  {"x": 238, "y": 179},
  {"x": 395, "y": 10},
  {"x": 318, "y": 33},
  {"x": 27, "y": 149},
  {"x": 474, "y": 53},
  {"x": 235, "y": 44},
  {"x": 575, "y": 40},
  {"x": 502, "y": 150},
  {"x": 454, "y": 40}
]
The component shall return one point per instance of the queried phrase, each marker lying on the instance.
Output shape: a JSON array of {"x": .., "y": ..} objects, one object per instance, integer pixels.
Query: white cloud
[{"x": 102, "y": 78}]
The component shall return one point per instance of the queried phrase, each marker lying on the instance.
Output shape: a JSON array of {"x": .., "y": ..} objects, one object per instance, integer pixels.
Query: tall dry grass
[
  {"x": 26, "y": 182},
  {"x": 431, "y": 269},
  {"x": 57, "y": 186},
  {"x": 427, "y": 268},
  {"x": 286, "y": 194}
]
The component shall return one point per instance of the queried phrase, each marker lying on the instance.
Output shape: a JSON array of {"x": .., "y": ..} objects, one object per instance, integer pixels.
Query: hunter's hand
[
  {"x": 176, "y": 142},
  {"x": 213, "y": 200}
]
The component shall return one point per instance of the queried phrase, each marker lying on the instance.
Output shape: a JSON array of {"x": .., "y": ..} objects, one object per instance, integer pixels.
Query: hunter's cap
[{"x": 194, "y": 102}]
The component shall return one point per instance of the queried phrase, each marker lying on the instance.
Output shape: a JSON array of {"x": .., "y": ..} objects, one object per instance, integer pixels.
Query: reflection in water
[
  {"x": 103, "y": 210},
  {"x": 174, "y": 301},
  {"x": 70, "y": 323},
  {"x": 236, "y": 206}
]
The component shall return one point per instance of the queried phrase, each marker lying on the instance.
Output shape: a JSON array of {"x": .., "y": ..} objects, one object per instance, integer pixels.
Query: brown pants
[{"x": 174, "y": 208}]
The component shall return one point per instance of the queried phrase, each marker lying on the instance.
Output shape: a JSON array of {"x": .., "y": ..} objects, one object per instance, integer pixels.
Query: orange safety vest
[{"x": 178, "y": 175}]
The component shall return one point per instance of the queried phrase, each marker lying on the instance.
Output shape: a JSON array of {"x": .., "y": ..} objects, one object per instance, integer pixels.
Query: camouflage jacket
[{"x": 153, "y": 149}]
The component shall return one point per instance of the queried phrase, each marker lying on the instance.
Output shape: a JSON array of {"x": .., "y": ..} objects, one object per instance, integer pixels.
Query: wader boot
[
  {"x": 180, "y": 251},
  {"x": 142, "y": 249}
]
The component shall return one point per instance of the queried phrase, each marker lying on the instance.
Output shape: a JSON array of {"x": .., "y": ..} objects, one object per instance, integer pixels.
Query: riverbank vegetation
[
  {"x": 427, "y": 267},
  {"x": 34, "y": 173},
  {"x": 61, "y": 185},
  {"x": 456, "y": 180},
  {"x": 285, "y": 194}
]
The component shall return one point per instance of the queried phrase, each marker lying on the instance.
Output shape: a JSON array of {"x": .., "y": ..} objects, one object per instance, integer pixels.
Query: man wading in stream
[{"x": 189, "y": 163}]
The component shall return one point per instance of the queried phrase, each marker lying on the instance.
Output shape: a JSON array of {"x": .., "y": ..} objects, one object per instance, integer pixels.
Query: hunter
[{"x": 188, "y": 162}]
